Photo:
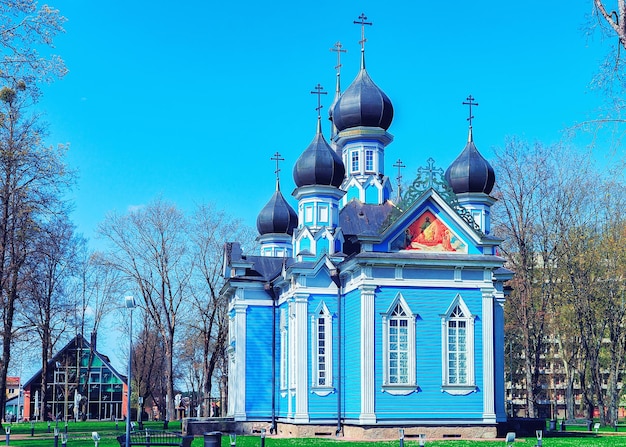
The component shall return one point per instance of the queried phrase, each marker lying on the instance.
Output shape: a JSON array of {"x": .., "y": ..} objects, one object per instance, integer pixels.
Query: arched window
[
  {"x": 322, "y": 350},
  {"x": 457, "y": 326},
  {"x": 399, "y": 348}
]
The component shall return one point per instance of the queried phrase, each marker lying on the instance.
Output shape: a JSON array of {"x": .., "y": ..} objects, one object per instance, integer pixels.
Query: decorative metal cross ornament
[
  {"x": 319, "y": 92},
  {"x": 338, "y": 48},
  {"x": 362, "y": 22},
  {"x": 277, "y": 158},
  {"x": 470, "y": 102},
  {"x": 399, "y": 165}
]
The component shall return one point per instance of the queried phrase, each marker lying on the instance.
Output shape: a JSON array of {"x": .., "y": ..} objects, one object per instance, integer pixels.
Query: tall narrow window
[
  {"x": 354, "y": 161},
  {"x": 458, "y": 349},
  {"x": 399, "y": 346},
  {"x": 369, "y": 160},
  {"x": 321, "y": 327}
]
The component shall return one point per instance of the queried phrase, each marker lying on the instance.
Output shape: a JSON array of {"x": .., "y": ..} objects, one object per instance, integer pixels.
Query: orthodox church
[{"x": 364, "y": 313}]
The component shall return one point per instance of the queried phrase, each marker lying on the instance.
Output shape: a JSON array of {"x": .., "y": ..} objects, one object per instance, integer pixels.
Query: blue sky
[{"x": 190, "y": 101}]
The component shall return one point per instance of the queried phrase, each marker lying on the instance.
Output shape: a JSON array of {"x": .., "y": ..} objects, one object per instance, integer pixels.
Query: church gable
[{"x": 429, "y": 225}]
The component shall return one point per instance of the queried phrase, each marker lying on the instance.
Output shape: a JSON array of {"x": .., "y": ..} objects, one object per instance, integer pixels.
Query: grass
[{"x": 79, "y": 435}]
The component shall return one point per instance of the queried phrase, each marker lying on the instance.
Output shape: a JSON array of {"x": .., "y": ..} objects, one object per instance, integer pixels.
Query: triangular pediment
[{"x": 429, "y": 225}]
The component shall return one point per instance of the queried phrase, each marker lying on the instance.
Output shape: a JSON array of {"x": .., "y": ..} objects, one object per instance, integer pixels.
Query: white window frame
[
  {"x": 458, "y": 312},
  {"x": 308, "y": 213},
  {"x": 369, "y": 158},
  {"x": 354, "y": 161},
  {"x": 324, "y": 343},
  {"x": 323, "y": 214},
  {"x": 399, "y": 311}
]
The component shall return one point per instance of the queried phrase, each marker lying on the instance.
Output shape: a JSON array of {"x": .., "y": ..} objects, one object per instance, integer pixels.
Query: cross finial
[
  {"x": 399, "y": 165},
  {"x": 338, "y": 49},
  {"x": 430, "y": 172},
  {"x": 362, "y": 22},
  {"x": 277, "y": 158},
  {"x": 319, "y": 92},
  {"x": 470, "y": 102}
]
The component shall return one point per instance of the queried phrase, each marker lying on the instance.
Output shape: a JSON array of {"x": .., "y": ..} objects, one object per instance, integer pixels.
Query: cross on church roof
[
  {"x": 319, "y": 94},
  {"x": 362, "y": 22},
  {"x": 337, "y": 48},
  {"x": 431, "y": 173},
  {"x": 278, "y": 158},
  {"x": 470, "y": 102},
  {"x": 399, "y": 165}
]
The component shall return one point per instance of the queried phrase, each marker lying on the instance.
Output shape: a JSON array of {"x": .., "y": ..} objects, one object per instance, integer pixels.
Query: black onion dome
[
  {"x": 363, "y": 104},
  {"x": 277, "y": 216},
  {"x": 470, "y": 172},
  {"x": 319, "y": 164}
]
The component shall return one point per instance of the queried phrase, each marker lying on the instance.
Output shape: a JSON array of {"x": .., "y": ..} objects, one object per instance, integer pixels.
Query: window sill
[
  {"x": 322, "y": 390},
  {"x": 399, "y": 390},
  {"x": 459, "y": 390}
]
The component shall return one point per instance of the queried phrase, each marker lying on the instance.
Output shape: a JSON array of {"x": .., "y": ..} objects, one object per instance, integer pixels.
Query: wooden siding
[{"x": 259, "y": 362}]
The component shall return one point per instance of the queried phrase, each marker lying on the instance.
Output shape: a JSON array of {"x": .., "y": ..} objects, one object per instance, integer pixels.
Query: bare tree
[
  {"x": 32, "y": 179},
  {"x": 149, "y": 246},
  {"x": 26, "y": 27},
  {"x": 46, "y": 303},
  {"x": 211, "y": 227},
  {"x": 537, "y": 188},
  {"x": 148, "y": 362}
]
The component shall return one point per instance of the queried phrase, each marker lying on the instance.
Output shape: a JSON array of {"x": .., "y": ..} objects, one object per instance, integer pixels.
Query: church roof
[
  {"x": 358, "y": 218},
  {"x": 362, "y": 104},
  {"x": 470, "y": 172},
  {"x": 277, "y": 216},
  {"x": 319, "y": 164}
]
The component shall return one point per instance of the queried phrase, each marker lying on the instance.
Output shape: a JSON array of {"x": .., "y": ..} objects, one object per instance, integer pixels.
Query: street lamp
[{"x": 130, "y": 305}]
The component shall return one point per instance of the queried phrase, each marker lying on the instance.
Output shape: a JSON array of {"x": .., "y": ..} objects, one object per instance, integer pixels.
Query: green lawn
[{"x": 79, "y": 434}]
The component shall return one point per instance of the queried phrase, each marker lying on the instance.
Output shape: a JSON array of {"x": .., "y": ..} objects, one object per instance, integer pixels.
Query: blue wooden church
[{"x": 364, "y": 313}]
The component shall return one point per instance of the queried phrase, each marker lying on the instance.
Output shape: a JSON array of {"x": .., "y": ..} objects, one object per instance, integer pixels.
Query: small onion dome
[
  {"x": 319, "y": 164},
  {"x": 362, "y": 104},
  {"x": 470, "y": 172},
  {"x": 277, "y": 216}
]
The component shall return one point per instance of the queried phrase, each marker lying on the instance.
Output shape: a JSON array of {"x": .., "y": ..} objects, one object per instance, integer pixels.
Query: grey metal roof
[
  {"x": 363, "y": 104},
  {"x": 357, "y": 218},
  {"x": 470, "y": 172},
  {"x": 277, "y": 216},
  {"x": 319, "y": 164}
]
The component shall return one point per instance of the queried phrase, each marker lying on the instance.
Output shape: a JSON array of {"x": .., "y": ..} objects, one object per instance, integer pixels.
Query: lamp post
[{"x": 130, "y": 305}]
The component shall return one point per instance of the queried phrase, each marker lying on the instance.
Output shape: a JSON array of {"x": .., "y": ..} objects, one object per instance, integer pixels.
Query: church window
[
  {"x": 369, "y": 160},
  {"x": 354, "y": 161},
  {"x": 321, "y": 326},
  {"x": 308, "y": 214},
  {"x": 323, "y": 214},
  {"x": 458, "y": 349},
  {"x": 399, "y": 349}
]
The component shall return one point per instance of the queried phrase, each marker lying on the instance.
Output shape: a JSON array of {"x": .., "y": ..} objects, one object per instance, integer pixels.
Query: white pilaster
[
  {"x": 368, "y": 415},
  {"x": 301, "y": 353},
  {"x": 239, "y": 372},
  {"x": 489, "y": 411}
]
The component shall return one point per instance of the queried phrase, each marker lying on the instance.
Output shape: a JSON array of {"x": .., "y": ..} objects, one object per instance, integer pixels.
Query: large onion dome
[
  {"x": 470, "y": 172},
  {"x": 277, "y": 216},
  {"x": 362, "y": 104},
  {"x": 319, "y": 164}
]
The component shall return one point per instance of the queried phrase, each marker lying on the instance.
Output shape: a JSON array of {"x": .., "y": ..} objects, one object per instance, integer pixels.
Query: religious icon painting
[{"x": 428, "y": 233}]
